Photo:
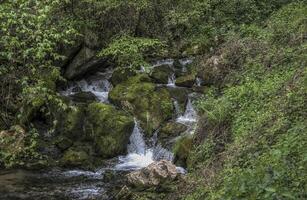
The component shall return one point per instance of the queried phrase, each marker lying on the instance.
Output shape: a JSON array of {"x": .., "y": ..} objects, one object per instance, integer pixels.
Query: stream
[{"x": 75, "y": 184}]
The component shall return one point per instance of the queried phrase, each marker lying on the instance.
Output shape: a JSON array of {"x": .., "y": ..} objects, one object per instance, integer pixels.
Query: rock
[
  {"x": 155, "y": 174},
  {"x": 75, "y": 157},
  {"x": 63, "y": 143},
  {"x": 83, "y": 97},
  {"x": 160, "y": 74},
  {"x": 109, "y": 129},
  {"x": 185, "y": 81},
  {"x": 172, "y": 129},
  {"x": 84, "y": 62},
  {"x": 182, "y": 149},
  {"x": 180, "y": 94},
  {"x": 151, "y": 106},
  {"x": 121, "y": 74}
]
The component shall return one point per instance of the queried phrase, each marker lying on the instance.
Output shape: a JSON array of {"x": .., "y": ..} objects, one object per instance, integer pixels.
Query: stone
[
  {"x": 160, "y": 74},
  {"x": 83, "y": 97},
  {"x": 154, "y": 175},
  {"x": 185, "y": 81},
  {"x": 75, "y": 157},
  {"x": 182, "y": 149},
  {"x": 121, "y": 74},
  {"x": 139, "y": 96},
  {"x": 108, "y": 128},
  {"x": 84, "y": 62},
  {"x": 172, "y": 129}
]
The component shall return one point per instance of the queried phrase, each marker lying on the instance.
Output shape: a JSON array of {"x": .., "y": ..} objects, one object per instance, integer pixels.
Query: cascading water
[
  {"x": 190, "y": 115},
  {"x": 177, "y": 108},
  {"x": 139, "y": 154},
  {"x": 198, "y": 82},
  {"x": 98, "y": 85},
  {"x": 171, "y": 80}
]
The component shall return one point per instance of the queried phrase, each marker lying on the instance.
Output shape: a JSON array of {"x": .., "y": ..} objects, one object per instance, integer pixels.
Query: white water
[
  {"x": 139, "y": 154},
  {"x": 189, "y": 115},
  {"x": 198, "y": 82},
  {"x": 171, "y": 81},
  {"x": 163, "y": 62},
  {"x": 100, "y": 88}
]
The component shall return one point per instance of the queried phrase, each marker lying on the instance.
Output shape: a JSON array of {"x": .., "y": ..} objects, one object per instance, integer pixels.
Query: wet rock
[
  {"x": 172, "y": 129},
  {"x": 151, "y": 106},
  {"x": 182, "y": 149},
  {"x": 83, "y": 97},
  {"x": 185, "y": 81},
  {"x": 63, "y": 143},
  {"x": 180, "y": 94},
  {"x": 156, "y": 174},
  {"x": 109, "y": 129},
  {"x": 76, "y": 157},
  {"x": 84, "y": 62},
  {"x": 160, "y": 74},
  {"x": 122, "y": 74}
]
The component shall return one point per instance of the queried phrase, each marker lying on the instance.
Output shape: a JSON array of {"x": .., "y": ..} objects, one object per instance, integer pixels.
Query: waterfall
[
  {"x": 99, "y": 86},
  {"x": 171, "y": 80},
  {"x": 139, "y": 154},
  {"x": 189, "y": 115},
  {"x": 198, "y": 82},
  {"x": 163, "y": 62},
  {"x": 177, "y": 108}
]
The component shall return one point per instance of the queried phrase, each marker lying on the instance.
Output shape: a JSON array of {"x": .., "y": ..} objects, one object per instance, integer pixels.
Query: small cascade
[
  {"x": 99, "y": 86},
  {"x": 198, "y": 82},
  {"x": 171, "y": 81},
  {"x": 139, "y": 154},
  {"x": 163, "y": 62},
  {"x": 184, "y": 63},
  {"x": 177, "y": 108},
  {"x": 190, "y": 115}
]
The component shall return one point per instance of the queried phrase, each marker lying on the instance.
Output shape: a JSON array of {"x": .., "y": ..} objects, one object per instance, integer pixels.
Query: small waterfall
[
  {"x": 139, "y": 154},
  {"x": 163, "y": 62},
  {"x": 177, "y": 108},
  {"x": 198, "y": 82},
  {"x": 99, "y": 87},
  {"x": 189, "y": 115},
  {"x": 171, "y": 80}
]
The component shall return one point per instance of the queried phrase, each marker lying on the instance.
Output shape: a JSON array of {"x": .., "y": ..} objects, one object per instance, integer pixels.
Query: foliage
[
  {"x": 265, "y": 109},
  {"x": 131, "y": 52}
]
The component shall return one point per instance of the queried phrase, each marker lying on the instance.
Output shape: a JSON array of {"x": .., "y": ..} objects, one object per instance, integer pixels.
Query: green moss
[
  {"x": 76, "y": 157},
  {"x": 186, "y": 81},
  {"x": 141, "y": 98},
  {"x": 109, "y": 128},
  {"x": 182, "y": 150}
]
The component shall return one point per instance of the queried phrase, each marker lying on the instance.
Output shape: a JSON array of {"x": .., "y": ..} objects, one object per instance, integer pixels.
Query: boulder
[
  {"x": 84, "y": 62},
  {"x": 83, "y": 97},
  {"x": 121, "y": 74},
  {"x": 180, "y": 94},
  {"x": 172, "y": 129},
  {"x": 75, "y": 157},
  {"x": 160, "y": 74},
  {"x": 156, "y": 174},
  {"x": 109, "y": 129},
  {"x": 138, "y": 95},
  {"x": 185, "y": 81},
  {"x": 182, "y": 149}
]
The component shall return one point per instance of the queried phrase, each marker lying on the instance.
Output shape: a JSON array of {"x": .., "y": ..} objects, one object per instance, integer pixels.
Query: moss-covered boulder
[
  {"x": 160, "y": 74},
  {"x": 185, "y": 81},
  {"x": 109, "y": 129},
  {"x": 122, "y": 74},
  {"x": 180, "y": 94},
  {"x": 182, "y": 149},
  {"x": 172, "y": 129},
  {"x": 140, "y": 96},
  {"x": 76, "y": 157}
]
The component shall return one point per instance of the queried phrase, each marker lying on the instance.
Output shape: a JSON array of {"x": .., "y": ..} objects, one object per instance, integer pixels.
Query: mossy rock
[
  {"x": 172, "y": 129},
  {"x": 63, "y": 143},
  {"x": 182, "y": 149},
  {"x": 185, "y": 81},
  {"x": 83, "y": 97},
  {"x": 71, "y": 122},
  {"x": 160, "y": 74},
  {"x": 109, "y": 129},
  {"x": 180, "y": 94},
  {"x": 139, "y": 96},
  {"x": 121, "y": 74},
  {"x": 76, "y": 157}
]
